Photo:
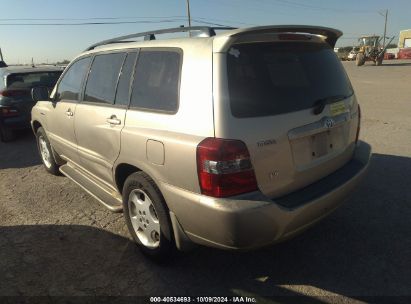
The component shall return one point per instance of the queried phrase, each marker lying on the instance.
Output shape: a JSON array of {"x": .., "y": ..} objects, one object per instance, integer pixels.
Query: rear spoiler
[{"x": 331, "y": 35}]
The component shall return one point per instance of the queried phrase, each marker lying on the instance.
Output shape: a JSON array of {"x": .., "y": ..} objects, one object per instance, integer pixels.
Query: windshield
[
  {"x": 368, "y": 40},
  {"x": 279, "y": 77}
]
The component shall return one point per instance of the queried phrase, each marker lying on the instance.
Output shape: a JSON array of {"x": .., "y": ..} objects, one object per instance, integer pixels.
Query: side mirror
[{"x": 40, "y": 93}]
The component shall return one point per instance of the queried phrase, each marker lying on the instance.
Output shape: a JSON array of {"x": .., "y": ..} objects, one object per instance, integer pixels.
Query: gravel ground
[{"x": 57, "y": 240}]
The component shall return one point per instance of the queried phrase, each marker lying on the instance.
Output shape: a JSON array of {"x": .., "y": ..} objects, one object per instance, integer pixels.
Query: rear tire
[
  {"x": 147, "y": 217},
  {"x": 360, "y": 60},
  {"x": 6, "y": 134},
  {"x": 46, "y": 152},
  {"x": 378, "y": 62}
]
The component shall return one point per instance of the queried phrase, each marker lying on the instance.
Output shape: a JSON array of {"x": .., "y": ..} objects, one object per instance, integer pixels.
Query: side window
[
  {"x": 103, "y": 77},
  {"x": 69, "y": 87},
  {"x": 157, "y": 79},
  {"x": 123, "y": 88}
]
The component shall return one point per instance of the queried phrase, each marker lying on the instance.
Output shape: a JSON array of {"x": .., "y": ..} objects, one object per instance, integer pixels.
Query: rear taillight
[
  {"x": 224, "y": 168},
  {"x": 13, "y": 93},
  {"x": 8, "y": 112},
  {"x": 359, "y": 124}
]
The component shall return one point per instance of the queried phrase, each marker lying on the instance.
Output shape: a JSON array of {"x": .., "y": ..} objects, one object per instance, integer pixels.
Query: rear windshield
[
  {"x": 30, "y": 80},
  {"x": 279, "y": 77}
]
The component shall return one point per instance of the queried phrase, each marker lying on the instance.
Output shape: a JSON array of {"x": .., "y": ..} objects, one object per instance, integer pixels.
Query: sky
[{"x": 38, "y": 28}]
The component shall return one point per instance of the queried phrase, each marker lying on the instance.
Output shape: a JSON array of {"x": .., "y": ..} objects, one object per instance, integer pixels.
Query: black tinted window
[
  {"x": 274, "y": 78},
  {"x": 103, "y": 77},
  {"x": 156, "y": 81},
  {"x": 70, "y": 86},
  {"x": 123, "y": 88},
  {"x": 30, "y": 80}
]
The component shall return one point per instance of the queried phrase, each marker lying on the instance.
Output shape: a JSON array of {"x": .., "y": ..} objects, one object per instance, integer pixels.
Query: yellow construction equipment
[{"x": 371, "y": 50}]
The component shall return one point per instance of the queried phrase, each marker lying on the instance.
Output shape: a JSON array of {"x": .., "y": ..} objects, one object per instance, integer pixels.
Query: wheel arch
[
  {"x": 35, "y": 125},
  {"x": 122, "y": 171}
]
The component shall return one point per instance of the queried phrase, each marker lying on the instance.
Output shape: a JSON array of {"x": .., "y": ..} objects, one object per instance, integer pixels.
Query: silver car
[{"x": 235, "y": 140}]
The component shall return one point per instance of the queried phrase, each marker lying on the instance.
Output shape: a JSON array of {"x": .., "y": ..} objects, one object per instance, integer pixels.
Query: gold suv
[{"x": 234, "y": 140}]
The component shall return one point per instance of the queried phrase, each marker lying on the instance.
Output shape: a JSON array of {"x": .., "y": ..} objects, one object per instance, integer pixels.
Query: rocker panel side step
[{"x": 102, "y": 193}]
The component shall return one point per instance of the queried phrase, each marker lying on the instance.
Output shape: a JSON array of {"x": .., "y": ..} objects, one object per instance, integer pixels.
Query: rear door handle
[
  {"x": 69, "y": 113},
  {"x": 113, "y": 120}
]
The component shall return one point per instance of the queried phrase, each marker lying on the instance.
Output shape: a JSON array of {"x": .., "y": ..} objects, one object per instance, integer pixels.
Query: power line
[
  {"x": 176, "y": 19},
  {"x": 92, "y": 23},
  {"x": 209, "y": 23},
  {"x": 112, "y": 23},
  {"x": 224, "y": 20},
  {"x": 89, "y": 18}
]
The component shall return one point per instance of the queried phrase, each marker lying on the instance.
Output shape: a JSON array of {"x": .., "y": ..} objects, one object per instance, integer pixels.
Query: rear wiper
[{"x": 320, "y": 104}]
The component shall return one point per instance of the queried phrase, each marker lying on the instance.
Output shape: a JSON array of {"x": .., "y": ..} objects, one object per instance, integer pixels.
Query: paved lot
[{"x": 57, "y": 240}]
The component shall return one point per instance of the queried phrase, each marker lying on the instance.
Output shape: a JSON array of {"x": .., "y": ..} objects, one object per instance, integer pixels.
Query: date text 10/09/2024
[{"x": 234, "y": 299}]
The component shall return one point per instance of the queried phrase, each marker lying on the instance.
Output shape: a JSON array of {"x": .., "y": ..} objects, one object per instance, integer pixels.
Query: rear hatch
[
  {"x": 17, "y": 93},
  {"x": 291, "y": 102}
]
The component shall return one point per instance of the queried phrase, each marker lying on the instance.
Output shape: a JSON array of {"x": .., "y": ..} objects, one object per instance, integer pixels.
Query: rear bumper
[{"x": 253, "y": 220}]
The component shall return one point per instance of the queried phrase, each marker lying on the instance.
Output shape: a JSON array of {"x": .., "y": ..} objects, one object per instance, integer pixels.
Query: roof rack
[{"x": 205, "y": 30}]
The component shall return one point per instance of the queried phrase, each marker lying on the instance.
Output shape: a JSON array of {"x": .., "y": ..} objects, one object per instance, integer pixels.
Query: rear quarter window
[
  {"x": 274, "y": 78},
  {"x": 157, "y": 80}
]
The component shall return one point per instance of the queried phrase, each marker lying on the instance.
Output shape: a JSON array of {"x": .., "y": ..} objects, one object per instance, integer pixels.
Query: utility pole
[
  {"x": 188, "y": 13},
  {"x": 385, "y": 25},
  {"x": 2, "y": 63}
]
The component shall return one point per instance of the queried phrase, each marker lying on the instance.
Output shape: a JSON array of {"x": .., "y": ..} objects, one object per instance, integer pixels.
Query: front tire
[
  {"x": 147, "y": 216},
  {"x": 360, "y": 60},
  {"x": 46, "y": 152}
]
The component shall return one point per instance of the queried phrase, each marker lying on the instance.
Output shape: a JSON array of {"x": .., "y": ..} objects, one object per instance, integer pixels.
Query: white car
[{"x": 353, "y": 54}]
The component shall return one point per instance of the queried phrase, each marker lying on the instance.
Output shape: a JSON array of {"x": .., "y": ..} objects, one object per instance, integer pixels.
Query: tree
[
  {"x": 65, "y": 61},
  {"x": 345, "y": 49}
]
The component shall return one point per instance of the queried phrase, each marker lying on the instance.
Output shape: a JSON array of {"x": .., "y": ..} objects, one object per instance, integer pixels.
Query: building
[
  {"x": 405, "y": 39},
  {"x": 404, "y": 44}
]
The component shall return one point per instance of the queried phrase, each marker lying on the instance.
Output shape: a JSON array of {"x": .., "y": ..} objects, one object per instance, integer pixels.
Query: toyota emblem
[{"x": 329, "y": 123}]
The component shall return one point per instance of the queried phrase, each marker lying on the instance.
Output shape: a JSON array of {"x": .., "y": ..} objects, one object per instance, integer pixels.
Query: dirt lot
[{"x": 57, "y": 240}]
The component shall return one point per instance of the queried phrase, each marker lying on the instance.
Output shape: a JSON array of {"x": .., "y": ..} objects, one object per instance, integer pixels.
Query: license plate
[
  {"x": 320, "y": 144},
  {"x": 337, "y": 108}
]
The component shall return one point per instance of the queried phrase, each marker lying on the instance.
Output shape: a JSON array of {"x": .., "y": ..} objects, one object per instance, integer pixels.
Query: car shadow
[
  {"x": 396, "y": 63},
  {"x": 361, "y": 250},
  {"x": 388, "y": 63},
  {"x": 76, "y": 260},
  {"x": 21, "y": 152}
]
